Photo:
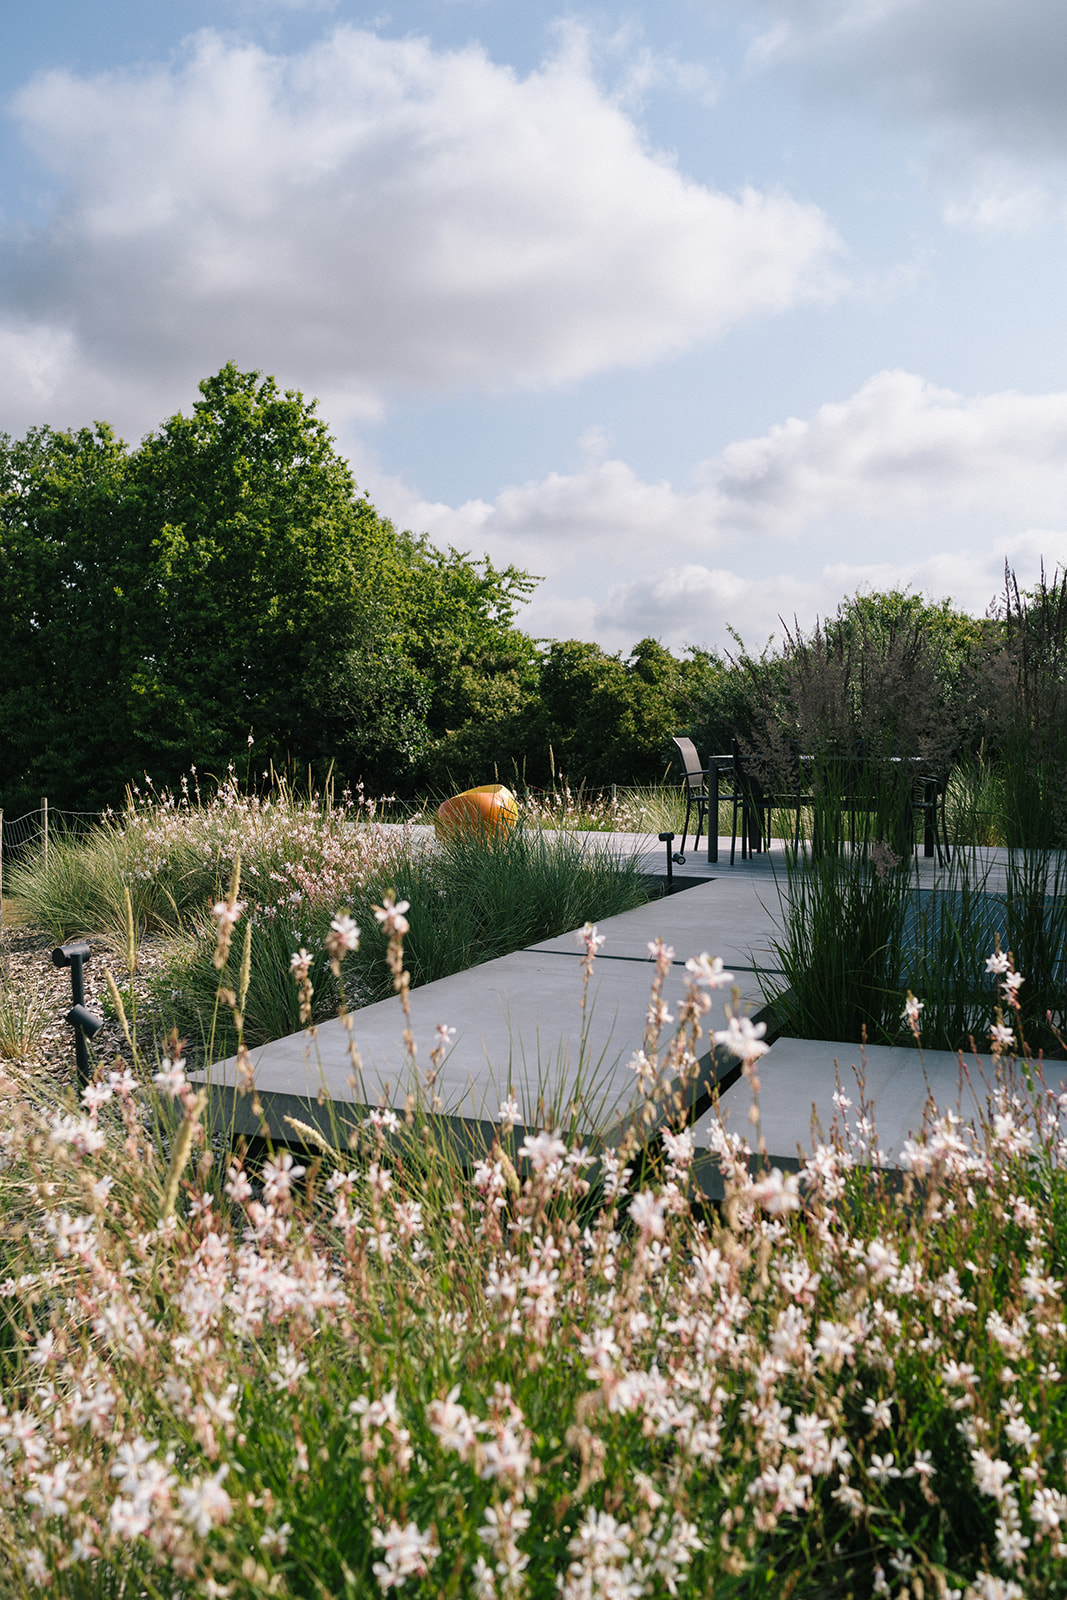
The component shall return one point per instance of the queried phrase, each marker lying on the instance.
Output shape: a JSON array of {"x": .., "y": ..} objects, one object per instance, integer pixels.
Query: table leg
[{"x": 713, "y": 815}]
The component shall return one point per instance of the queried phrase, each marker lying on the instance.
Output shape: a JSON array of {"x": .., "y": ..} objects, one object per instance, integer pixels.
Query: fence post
[{"x": 44, "y": 825}]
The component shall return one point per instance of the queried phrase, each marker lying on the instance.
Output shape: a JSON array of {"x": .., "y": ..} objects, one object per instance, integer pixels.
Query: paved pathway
[{"x": 520, "y": 1028}]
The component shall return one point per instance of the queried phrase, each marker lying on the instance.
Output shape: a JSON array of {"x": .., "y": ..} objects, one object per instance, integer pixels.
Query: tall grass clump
[
  {"x": 23, "y": 1019},
  {"x": 1023, "y": 687},
  {"x": 473, "y": 896},
  {"x": 836, "y": 969},
  {"x": 173, "y": 853},
  {"x": 370, "y": 1368},
  {"x": 861, "y": 931}
]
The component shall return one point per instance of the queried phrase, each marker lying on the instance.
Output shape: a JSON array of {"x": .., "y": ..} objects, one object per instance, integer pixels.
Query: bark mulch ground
[{"x": 30, "y": 982}]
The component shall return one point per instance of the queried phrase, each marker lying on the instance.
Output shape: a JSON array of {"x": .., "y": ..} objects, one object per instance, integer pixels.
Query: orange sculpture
[{"x": 489, "y": 807}]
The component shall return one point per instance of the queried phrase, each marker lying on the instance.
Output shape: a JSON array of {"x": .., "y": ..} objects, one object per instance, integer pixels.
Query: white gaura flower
[
  {"x": 172, "y": 1080},
  {"x": 205, "y": 1503},
  {"x": 912, "y": 1011},
  {"x": 703, "y": 969},
  {"x": 408, "y": 1554},
  {"x": 835, "y": 1344},
  {"x": 777, "y": 1193},
  {"x": 542, "y": 1150},
  {"x": 394, "y": 923},
  {"x": 227, "y": 912},
  {"x": 990, "y": 1474},
  {"x": 343, "y": 936},
  {"x": 278, "y": 1175},
  {"x": 680, "y": 1147},
  {"x": 453, "y": 1424},
  {"x": 647, "y": 1213},
  {"x": 743, "y": 1038},
  {"x": 882, "y": 1468}
]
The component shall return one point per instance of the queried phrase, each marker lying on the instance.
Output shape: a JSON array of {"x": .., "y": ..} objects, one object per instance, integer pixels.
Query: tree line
[{"x": 226, "y": 580}]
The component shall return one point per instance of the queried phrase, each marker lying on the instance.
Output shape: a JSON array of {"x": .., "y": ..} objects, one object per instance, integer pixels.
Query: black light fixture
[
  {"x": 84, "y": 1023},
  {"x": 668, "y": 840}
]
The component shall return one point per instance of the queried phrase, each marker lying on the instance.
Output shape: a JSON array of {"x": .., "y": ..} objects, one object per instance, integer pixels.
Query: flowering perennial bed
[{"x": 549, "y": 1374}]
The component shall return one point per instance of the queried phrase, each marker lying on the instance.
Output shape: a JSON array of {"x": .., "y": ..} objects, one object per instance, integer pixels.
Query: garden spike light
[
  {"x": 668, "y": 840},
  {"x": 84, "y": 1023}
]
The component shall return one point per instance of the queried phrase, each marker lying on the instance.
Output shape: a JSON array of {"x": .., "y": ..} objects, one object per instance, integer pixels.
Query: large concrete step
[{"x": 892, "y": 1086}]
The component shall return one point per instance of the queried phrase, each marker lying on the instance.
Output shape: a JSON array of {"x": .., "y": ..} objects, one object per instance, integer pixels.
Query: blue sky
[{"x": 707, "y": 311}]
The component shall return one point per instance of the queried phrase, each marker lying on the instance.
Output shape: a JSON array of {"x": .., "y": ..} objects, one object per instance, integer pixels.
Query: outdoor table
[
  {"x": 858, "y": 769},
  {"x": 716, "y": 764},
  {"x": 866, "y": 778}
]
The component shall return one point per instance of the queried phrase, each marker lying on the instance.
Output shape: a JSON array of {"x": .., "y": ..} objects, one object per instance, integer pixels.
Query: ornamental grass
[{"x": 370, "y": 1365}]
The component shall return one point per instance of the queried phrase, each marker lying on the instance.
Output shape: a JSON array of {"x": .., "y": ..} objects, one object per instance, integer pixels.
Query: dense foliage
[
  {"x": 226, "y": 580},
  {"x": 161, "y": 604}
]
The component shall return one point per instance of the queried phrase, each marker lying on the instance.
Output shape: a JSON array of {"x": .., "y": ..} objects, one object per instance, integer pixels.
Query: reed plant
[
  {"x": 861, "y": 931},
  {"x": 1022, "y": 688},
  {"x": 368, "y": 1367}
]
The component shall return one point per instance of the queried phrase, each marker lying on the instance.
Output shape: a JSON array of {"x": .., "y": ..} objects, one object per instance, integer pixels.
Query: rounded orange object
[{"x": 489, "y": 807}]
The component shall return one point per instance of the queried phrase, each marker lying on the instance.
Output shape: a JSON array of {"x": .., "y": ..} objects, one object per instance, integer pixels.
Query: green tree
[
  {"x": 610, "y": 720},
  {"x": 68, "y": 599},
  {"x": 227, "y": 577}
]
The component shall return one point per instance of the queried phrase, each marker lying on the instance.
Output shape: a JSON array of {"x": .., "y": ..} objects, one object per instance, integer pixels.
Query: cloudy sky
[{"x": 706, "y": 311}]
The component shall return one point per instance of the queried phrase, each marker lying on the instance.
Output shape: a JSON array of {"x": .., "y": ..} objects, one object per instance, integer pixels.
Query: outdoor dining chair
[
  {"x": 695, "y": 786},
  {"x": 754, "y": 800},
  {"x": 928, "y": 799},
  {"x": 868, "y": 798}
]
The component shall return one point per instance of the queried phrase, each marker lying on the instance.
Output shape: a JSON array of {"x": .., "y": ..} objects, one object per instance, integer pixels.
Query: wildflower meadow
[{"x": 373, "y": 1363}]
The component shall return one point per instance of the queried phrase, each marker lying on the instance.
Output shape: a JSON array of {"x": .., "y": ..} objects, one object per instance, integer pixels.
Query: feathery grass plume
[
  {"x": 245, "y": 975},
  {"x": 117, "y": 1002},
  {"x": 312, "y": 1135},
  {"x": 183, "y": 1144},
  {"x": 130, "y": 931}
]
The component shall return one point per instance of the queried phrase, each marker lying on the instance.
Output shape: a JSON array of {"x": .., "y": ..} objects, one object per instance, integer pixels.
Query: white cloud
[
  {"x": 902, "y": 483},
  {"x": 985, "y": 76},
  {"x": 901, "y": 454},
  {"x": 372, "y": 216}
]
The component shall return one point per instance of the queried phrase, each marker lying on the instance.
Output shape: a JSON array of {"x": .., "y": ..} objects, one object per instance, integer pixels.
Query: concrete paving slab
[
  {"x": 519, "y": 1027},
  {"x": 737, "y": 919},
  {"x": 798, "y": 1078}
]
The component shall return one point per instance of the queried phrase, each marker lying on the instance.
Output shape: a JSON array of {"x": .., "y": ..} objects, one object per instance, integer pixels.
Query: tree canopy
[{"x": 225, "y": 578}]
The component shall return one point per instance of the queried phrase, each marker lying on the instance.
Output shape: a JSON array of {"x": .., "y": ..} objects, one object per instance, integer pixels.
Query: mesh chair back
[{"x": 694, "y": 772}]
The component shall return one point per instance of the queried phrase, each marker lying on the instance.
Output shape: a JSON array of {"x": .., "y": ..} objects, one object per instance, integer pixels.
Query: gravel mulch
[{"x": 28, "y": 979}]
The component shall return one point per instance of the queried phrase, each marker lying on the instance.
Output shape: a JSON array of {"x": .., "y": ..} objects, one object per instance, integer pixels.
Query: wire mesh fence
[{"x": 35, "y": 830}]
